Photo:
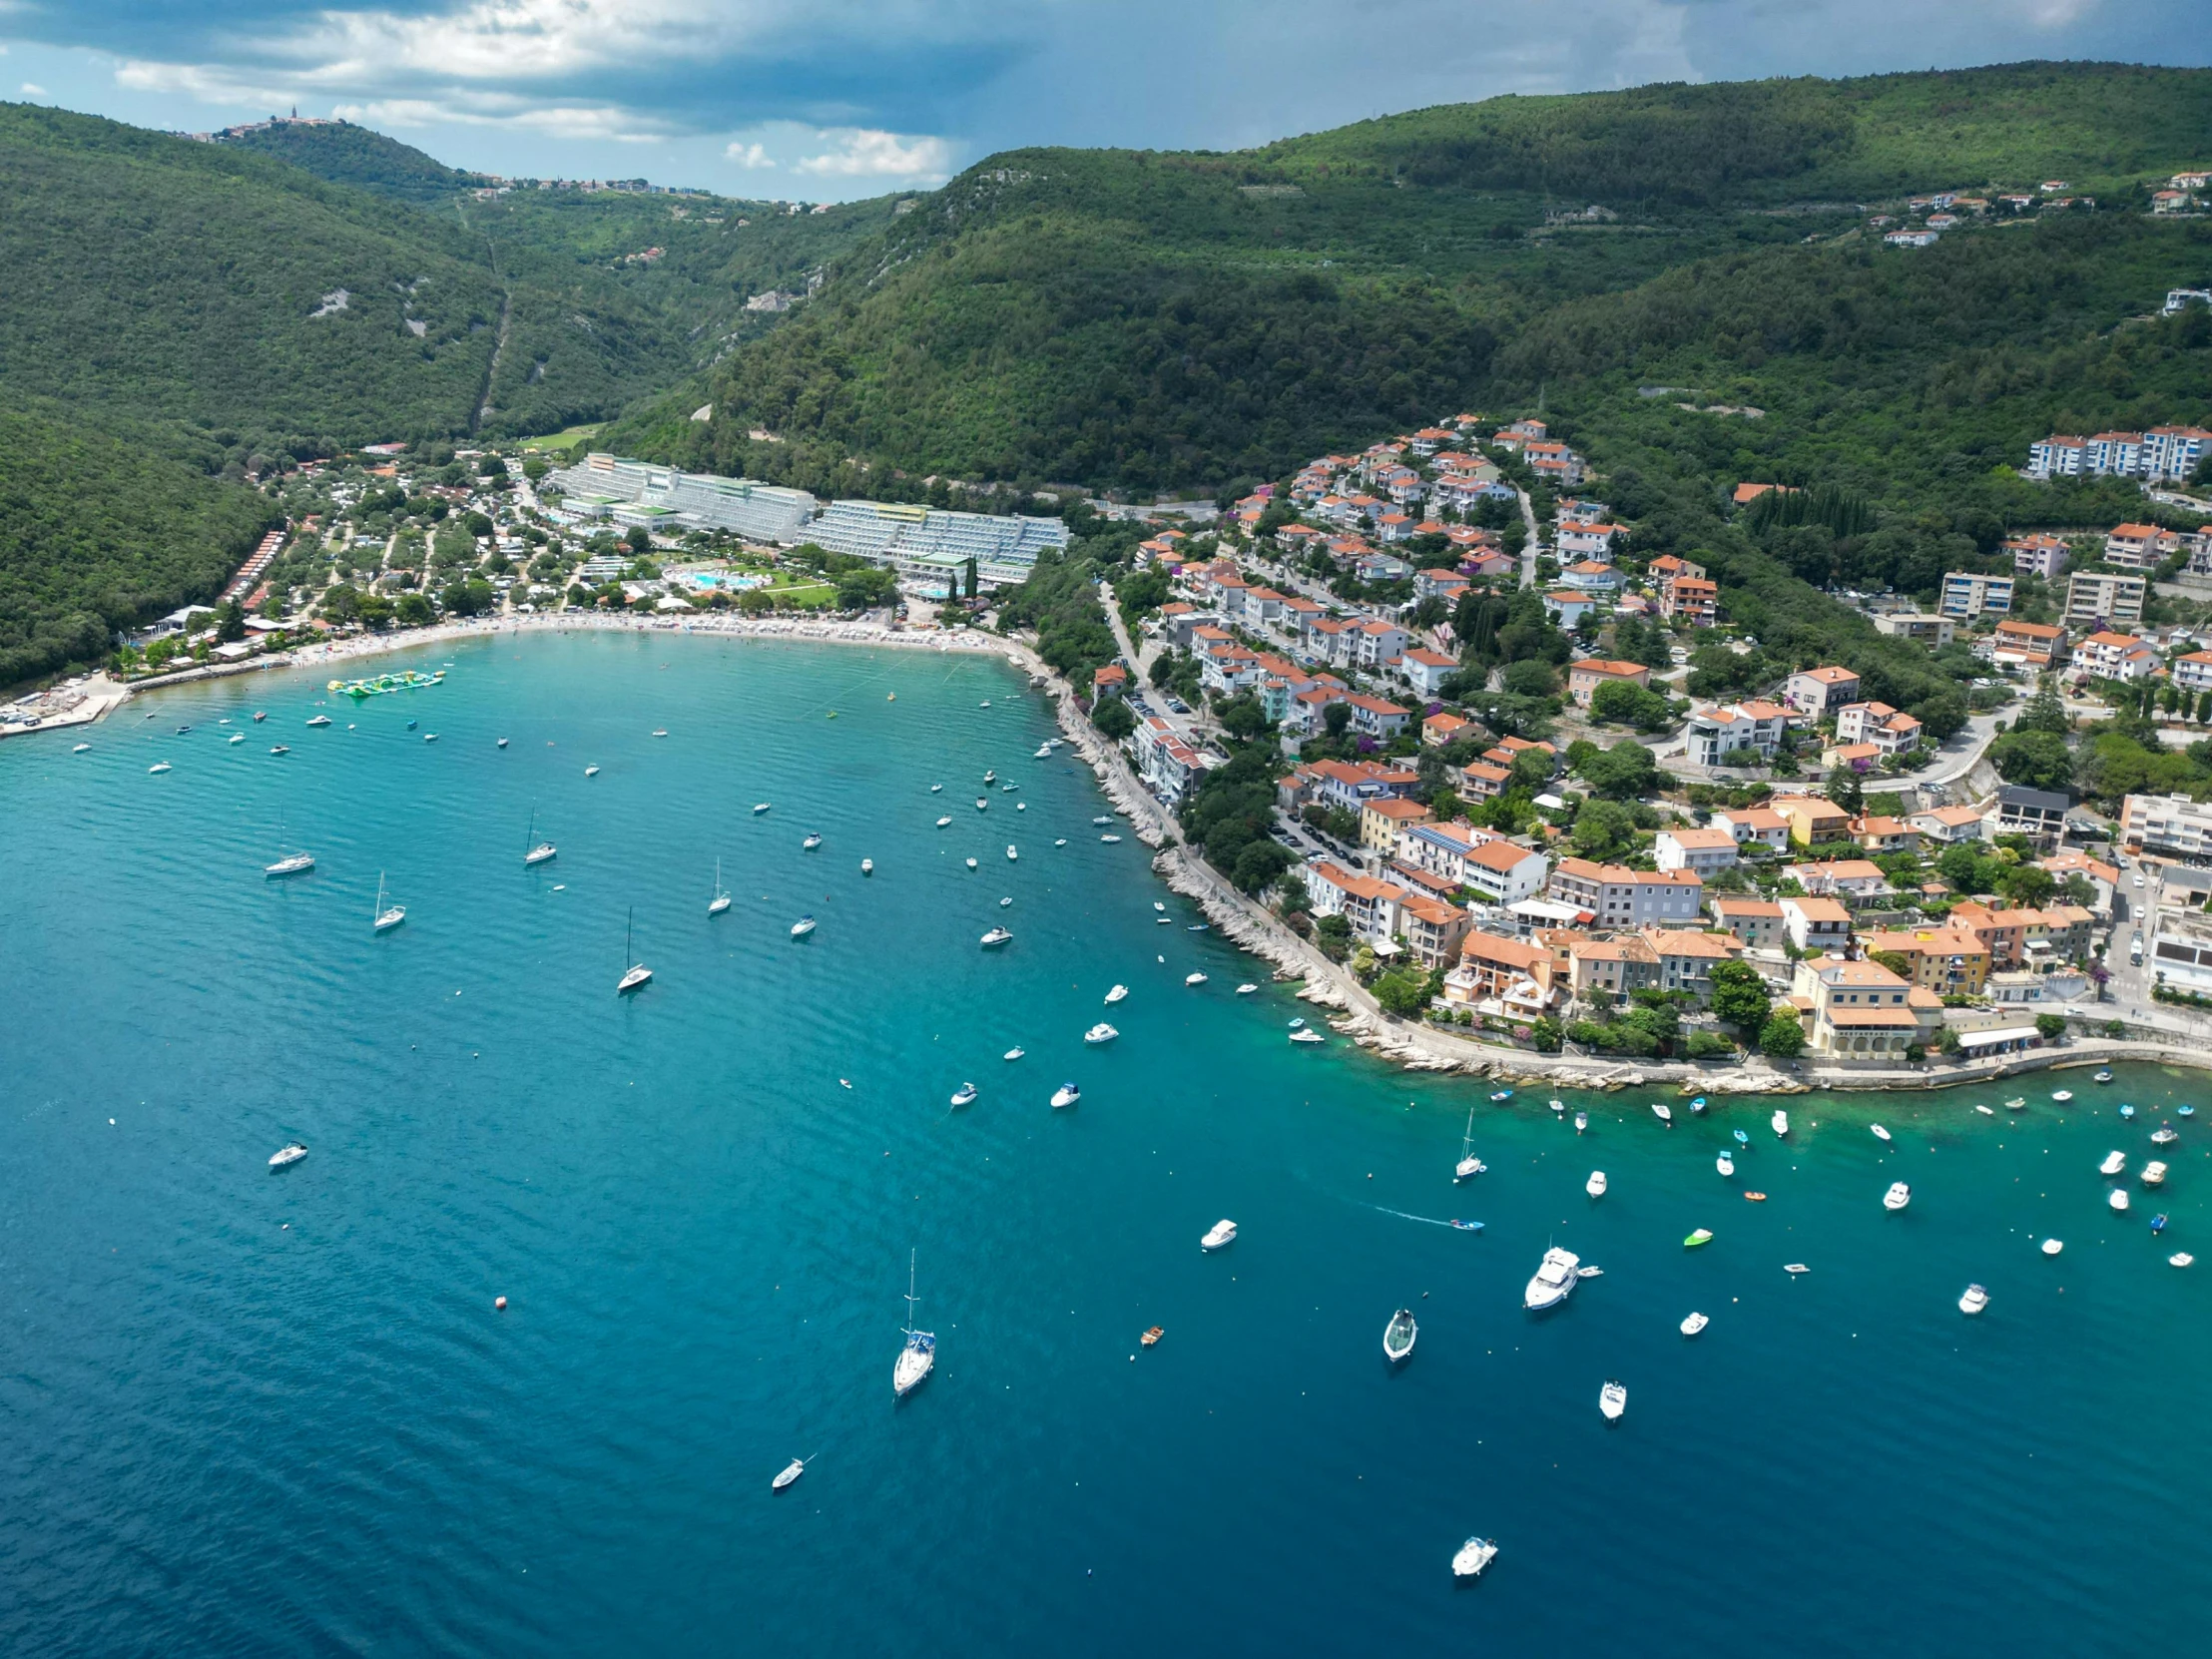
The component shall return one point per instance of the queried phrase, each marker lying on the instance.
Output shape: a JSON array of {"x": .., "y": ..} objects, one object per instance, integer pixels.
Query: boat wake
[{"x": 1429, "y": 1220}]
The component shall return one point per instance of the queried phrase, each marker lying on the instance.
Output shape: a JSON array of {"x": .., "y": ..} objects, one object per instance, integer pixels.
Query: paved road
[
  {"x": 1185, "y": 726},
  {"x": 1529, "y": 549}
]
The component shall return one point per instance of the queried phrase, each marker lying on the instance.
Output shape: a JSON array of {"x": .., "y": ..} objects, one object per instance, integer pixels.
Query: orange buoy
[{"x": 500, "y": 1303}]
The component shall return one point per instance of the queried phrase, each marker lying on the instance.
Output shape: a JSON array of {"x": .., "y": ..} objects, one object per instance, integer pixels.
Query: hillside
[
  {"x": 1167, "y": 320},
  {"x": 361, "y": 157}
]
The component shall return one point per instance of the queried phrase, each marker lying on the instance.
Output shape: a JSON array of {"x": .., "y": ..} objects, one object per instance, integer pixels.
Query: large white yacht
[
  {"x": 1554, "y": 1279},
  {"x": 293, "y": 864}
]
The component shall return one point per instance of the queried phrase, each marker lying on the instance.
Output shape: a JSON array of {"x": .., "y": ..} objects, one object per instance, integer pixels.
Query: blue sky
[{"x": 825, "y": 100}]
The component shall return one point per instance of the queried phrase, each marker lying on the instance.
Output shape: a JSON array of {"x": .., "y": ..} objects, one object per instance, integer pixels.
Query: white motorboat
[
  {"x": 2164, "y": 1136},
  {"x": 1044, "y": 751},
  {"x": 1067, "y": 1094},
  {"x": 1156, "y": 904},
  {"x": 759, "y": 806},
  {"x": 2180, "y": 1259},
  {"x": 288, "y": 1156},
  {"x": 1062, "y": 842},
  {"x": 1016, "y": 1053},
  {"x": 2061, "y": 1095},
  {"x": 1012, "y": 855},
  {"x": 637, "y": 973},
  {"x": 1986, "y": 1111},
  {"x": 2018, "y": 1103},
  {"x": 1897, "y": 1196},
  {"x": 294, "y": 864},
  {"x": 802, "y": 926},
  {"x": 721, "y": 900},
  {"x": 1879, "y": 1133},
  {"x": 982, "y": 804},
  {"x": 2052, "y": 1247},
  {"x": 589, "y": 771},
  {"x": 158, "y": 766},
  {"x": 236, "y": 737},
  {"x": 2114, "y": 1162},
  {"x": 1469, "y": 1166},
  {"x": 918, "y": 1355},
  {"x": 1724, "y": 1164},
  {"x": 1247, "y": 988},
  {"x": 997, "y": 935},
  {"x": 1973, "y": 1300},
  {"x": 812, "y": 840},
  {"x": 991, "y": 775},
  {"x": 971, "y": 863},
  {"x": 502, "y": 743},
  {"x": 964, "y": 1095},
  {"x": 1102, "y": 818},
  {"x": 1793, "y": 1269},
  {"x": 1663, "y": 1112},
  {"x": 2154, "y": 1174},
  {"x": 1694, "y": 1324},
  {"x": 942, "y": 822},
  {"x": 2118, "y": 1199},
  {"x": 1613, "y": 1400},
  {"x": 535, "y": 851},
  {"x": 280, "y": 748},
  {"x": 1307, "y": 1038},
  {"x": 1221, "y": 1234},
  {"x": 791, "y": 1472},
  {"x": 381, "y": 915},
  {"x": 1595, "y": 1186},
  {"x": 318, "y": 720},
  {"x": 1399, "y": 1336},
  {"x": 1780, "y": 1121},
  {"x": 1194, "y": 979},
  {"x": 867, "y": 866},
  {"x": 1002, "y": 903},
  {"x": 1472, "y": 1557},
  {"x": 1111, "y": 841},
  {"x": 1581, "y": 1122},
  {"x": 1558, "y": 1106},
  {"x": 1554, "y": 1280},
  {"x": 1100, "y": 1033}
]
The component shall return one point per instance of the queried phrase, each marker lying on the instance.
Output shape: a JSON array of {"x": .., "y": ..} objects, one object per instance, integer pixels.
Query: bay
[{"x": 278, "y": 1413}]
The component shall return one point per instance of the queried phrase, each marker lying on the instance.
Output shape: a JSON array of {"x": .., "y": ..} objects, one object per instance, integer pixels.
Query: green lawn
[{"x": 564, "y": 439}]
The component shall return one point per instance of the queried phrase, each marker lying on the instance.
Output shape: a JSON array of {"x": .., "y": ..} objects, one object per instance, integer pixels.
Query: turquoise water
[{"x": 249, "y": 1413}]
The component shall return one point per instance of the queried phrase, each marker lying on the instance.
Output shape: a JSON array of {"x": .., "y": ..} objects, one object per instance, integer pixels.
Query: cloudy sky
[{"x": 832, "y": 99}]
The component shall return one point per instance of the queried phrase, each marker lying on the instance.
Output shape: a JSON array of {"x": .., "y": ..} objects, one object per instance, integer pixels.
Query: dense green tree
[
  {"x": 1846, "y": 791},
  {"x": 1114, "y": 717},
  {"x": 2037, "y": 759},
  {"x": 1625, "y": 772},
  {"x": 1784, "y": 1037},
  {"x": 1618, "y": 701},
  {"x": 1740, "y": 996}
]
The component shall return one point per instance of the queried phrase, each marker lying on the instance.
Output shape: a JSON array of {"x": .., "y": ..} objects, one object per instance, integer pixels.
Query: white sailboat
[
  {"x": 1469, "y": 1166},
  {"x": 384, "y": 918},
  {"x": 292, "y": 864},
  {"x": 535, "y": 851},
  {"x": 919, "y": 1355},
  {"x": 637, "y": 973},
  {"x": 721, "y": 901}
]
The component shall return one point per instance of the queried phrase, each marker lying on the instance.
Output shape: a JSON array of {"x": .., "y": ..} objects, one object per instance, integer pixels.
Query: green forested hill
[
  {"x": 1158, "y": 320},
  {"x": 345, "y": 154}
]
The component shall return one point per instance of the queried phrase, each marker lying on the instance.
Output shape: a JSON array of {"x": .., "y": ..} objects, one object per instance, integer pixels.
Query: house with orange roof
[
  {"x": 1877, "y": 833},
  {"x": 1668, "y": 566},
  {"x": 1862, "y": 1009},
  {"x": 1495, "y": 968},
  {"x": 1813, "y": 821},
  {"x": 1702, "y": 851},
  {"x": 1815, "y": 925},
  {"x": 1584, "y": 677},
  {"x": 1755, "y": 921},
  {"x": 1426, "y": 670},
  {"x": 1816, "y": 691},
  {"x": 1568, "y": 606},
  {"x": 1948, "y": 825},
  {"x": 1380, "y": 820},
  {"x": 2035, "y": 645},
  {"x": 1484, "y": 779},
  {"x": 1372, "y": 716},
  {"x": 1687, "y": 957},
  {"x": 1440, "y": 728},
  {"x": 1617, "y": 896},
  {"x": 1602, "y": 969},
  {"x": 1852, "y": 878},
  {"x": 1950, "y": 962},
  {"x": 1690, "y": 602},
  {"x": 1756, "y": 726},
  {"x": 1432, "y": 930},
  {"x": 1368, "y": 904},
  {"x": 1754, "y": 826},
  {"x": 1110, "y": 681},
  {"x": 2110, "y": 656},
  {"x": 1592, "y": 577},
  {"x": 1581, "y": 538}
]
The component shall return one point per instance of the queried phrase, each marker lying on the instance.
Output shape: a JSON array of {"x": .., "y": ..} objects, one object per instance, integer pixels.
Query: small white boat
[
  {"x": 2061, "y": 1095},
  {"x": 1663, "y": 1112},
  {"x": 236, "y": 737},
  {"x": 1780, "y": 1121},
  {"x": 1554, "y": 1281},
  {"x": 80, "y": 748},
  {"x": 1102, "y": 818},
  {"x": 942, "y": 822},
  {"x": 1613, "y": 1400},
  {"x": 867, "y": 866},
  {"x": 1694, "y": 1324},
  {"x": 991, "y": 775},
  {"x": 1157, "y": 905},
  {"x": 589, "y": 771},
  {"x": 721, "y": 900},
  {"x": 432, "y": 736},
  {"x": 381, "y": 915},
  {"x": 280, "y": 748},
  {"x": 1012, "y": 855},
  {"x": 1581, "y": 1122},
  {"x": 1016, "y": 1053},
  {"x": 964, "y": 1095},
  {"x": 288, "y": 1156},
  {"x": 1558, "y": 1106},
  {"x": 1472, "y": 1557},
  {"x": 2018, "y": 1103},
  {"x": 2102, "y": 1077},
  {"x": 1399, "y": 1336},
  {"x": 1897, "y": 1196},
  {"x": 812, "y": 840},
  {"x": 1220, "y": 1234},
  {"x": 1044, "y": 751},
  {"x": 1111, "y": 839},
  {"x": 2180, "y": 1259},
  {"x": 1194, "y": 979},
  {"x": 1724, "y": 1164},
  {"x": 1595, "y": 1186},
  {"x": 1307, "y": 1038},
  {"x": 2154, "y": 1174},
  {"x": 802, "y": 926},
  {"x": 2052, "y": 1247},
  {"x": 1067, "y": 1094},
  {"x": 937, "y": 789},
  {"x": 1879, "y": 1133},
  {"x": 1062, "y": 842},
  {"x": 1100, "y": 1033},
  {"x": 997, "y": 935},
  {"x": 1793, "y": 1269},
  {"x": 660, "y": 731},
  {"x": 1973, "y": 1301},
  {"x": 2114, "y": 1162},
  {"x": 502, "y": 743},
  {"x": 1247, "y": 988},
  {"x": 759, "y": 808},
  {"x": 982, "y": 804},
  {"x": 319, "y": 719},
  {"x": 2118, "y": 1199},
  {"x": 1986, "y": 1111},
  {"x": 1002, "y": 903},
  {"x": 2164, "y": 1136},
  {"x": 971, "y": 863},
  {"x": 158, "y": 766},
  {"x": 791, "y": 1472}
]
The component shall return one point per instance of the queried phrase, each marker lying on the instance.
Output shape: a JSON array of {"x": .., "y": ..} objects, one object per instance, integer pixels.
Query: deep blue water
[{"x": 245, "y": 1413}]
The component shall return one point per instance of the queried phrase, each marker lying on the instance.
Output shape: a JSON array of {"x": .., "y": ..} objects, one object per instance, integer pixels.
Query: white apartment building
[
  {"x": 1968, "y": 594},
  {"x": 1699, "y": 851},
  {"x": 1758, "y": 726},
  {"x": 2194, "y": 673},
  {"x": 2100, "y": 596},
  {"x": 2115, "y": 657},
  {"x": 2169, "y": 825},
  {"x": 1618, "y": 896},
  {"x": 1754, "y": 826},
  {"x": 1815, "y": 691}
]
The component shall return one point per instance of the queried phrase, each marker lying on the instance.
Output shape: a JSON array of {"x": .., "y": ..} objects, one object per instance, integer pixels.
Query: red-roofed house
[{"x": 1584, "y": 677}]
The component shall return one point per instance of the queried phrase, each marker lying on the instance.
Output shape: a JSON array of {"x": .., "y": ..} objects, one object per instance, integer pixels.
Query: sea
[{"x": 246, "y": 1412}]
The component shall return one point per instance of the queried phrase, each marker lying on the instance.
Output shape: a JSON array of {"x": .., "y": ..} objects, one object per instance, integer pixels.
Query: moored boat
[
  {"x": 1613, "y": 1400},
  {"x": 791, "y": 1472},
  {"x": 867, "y": 866},
  {"x": 2103, "y": 1077},
  {"x": 996, "y": 937},
  {"x": 2017, "y": 1103},
  {"x": 918, "y": 1358},
  {"x": 1702, "y": 1236},
  {"x": 1399, "y": 1336},
  {"x": 2052, "y": 1246},
  {"x": 1581, "y": 1122},
  {"x": 2061, "y": 1095},
  {"x": 1194, "y": 979},
  {"x": 1554, "y": 1281},
  {"x": 1595, "y": 1186},
  {"x": 286, "y": 1156},
  {"x": 1469, "y": 1166},
  {"x": 1694, "y": 1324},
  {"x": 2154, "y": 1174},
  {"x": 1879, "y": 1133},
  {"x": 2115, "y": 1161},
  {"x": 1116, "y": 994},
  {"x": 383, "y": 916},
  {"x": 812, "y": 840},
  {"x": 2163, "y": 1136},
  {"x": 1153, "y": 1336},
  {"x": 1780, "y": 1121},
  {"x": 964, "y": 1095},
  {"x": 1661, "y": 1111},
  {"x": 1222, "y": 1234},
  {"x": 1067, "y": 1094},
  {"x": 1973, "y": 1300},
  {"x": 1100, "y": 1033},
  {"x": 802, "y": 926},
  {"x": 2180, "y": 1259},
  {"x": 2118, "y": 1198},
  {"x": 1307, "y": 1038},
  {"x": 1472, "y": 1556},
  {"x": 1247, "y": 988},
  {"x": 1724, "y": 1164},
  {"x": 1897, "y": 1196}
]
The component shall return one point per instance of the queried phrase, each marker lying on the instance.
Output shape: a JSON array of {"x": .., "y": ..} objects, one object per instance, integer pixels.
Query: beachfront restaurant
[{"x": 1994, "y": 1041}]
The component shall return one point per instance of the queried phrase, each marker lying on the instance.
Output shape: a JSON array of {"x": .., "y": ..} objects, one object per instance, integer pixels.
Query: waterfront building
[
  {"x": 601, "y": 484},
  {"x": 1862, "y": 1009}
]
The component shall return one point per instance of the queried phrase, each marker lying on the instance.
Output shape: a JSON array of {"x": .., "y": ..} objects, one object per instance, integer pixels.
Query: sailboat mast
[{"x": 909, "y": 1327}]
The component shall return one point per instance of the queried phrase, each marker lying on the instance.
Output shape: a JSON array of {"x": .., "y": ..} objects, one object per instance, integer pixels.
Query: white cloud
[
  {"x": 32, "y": 90},
  {"x": 864, "y": 153},
  {"x": 752, "y": 157}
]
